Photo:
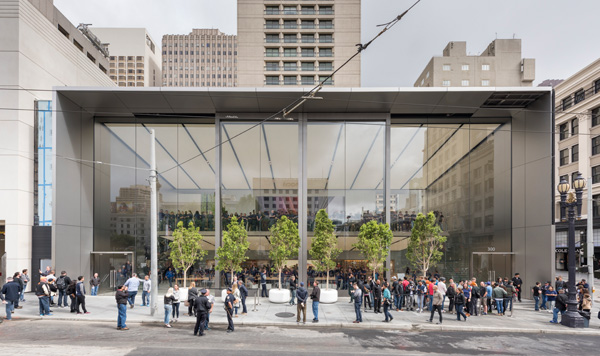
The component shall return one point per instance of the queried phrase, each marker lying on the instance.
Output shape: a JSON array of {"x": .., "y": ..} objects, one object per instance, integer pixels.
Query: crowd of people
[{"x": 553, "y": 299}]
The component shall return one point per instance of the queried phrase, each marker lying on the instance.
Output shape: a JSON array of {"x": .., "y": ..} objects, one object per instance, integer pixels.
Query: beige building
[
  {"x": 298, "y": 43},
  {"x": 577, "y": 136},
  {"x": 204, "y": 58},
  {"x": 134, "y": 58},
  {"x": 500, "y": 65}
]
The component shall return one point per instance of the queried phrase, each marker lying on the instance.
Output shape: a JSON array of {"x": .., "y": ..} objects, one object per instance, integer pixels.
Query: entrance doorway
[
  {"x": 109, "y": 266},
  {"x": 489, "y": 266}
]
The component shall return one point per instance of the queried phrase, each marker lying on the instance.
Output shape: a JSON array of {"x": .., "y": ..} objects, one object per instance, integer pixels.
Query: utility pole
[
  {"x": 153, "y": 227},
  {"x": 590, "y": 239}
]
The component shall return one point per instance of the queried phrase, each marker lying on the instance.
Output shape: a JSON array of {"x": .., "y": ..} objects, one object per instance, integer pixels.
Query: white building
[
  {"x": 40, "y": 49},
  {"x": 134, "y": 56}
]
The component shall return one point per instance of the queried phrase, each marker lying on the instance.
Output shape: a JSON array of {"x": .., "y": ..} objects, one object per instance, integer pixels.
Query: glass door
[
  {"x": 489, "y": 266},
  {"x": 113, "y": 269}
]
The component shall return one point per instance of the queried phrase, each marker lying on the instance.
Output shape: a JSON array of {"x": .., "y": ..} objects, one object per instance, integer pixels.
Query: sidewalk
[{"x": 340, "y": 314}]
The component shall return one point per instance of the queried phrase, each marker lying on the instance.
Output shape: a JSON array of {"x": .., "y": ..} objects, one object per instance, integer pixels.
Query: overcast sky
[{"x": 559, "y": 34}]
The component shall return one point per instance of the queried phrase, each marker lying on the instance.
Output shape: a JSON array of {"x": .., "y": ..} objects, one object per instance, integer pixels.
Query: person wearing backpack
[{"x": 61, "y": 284}]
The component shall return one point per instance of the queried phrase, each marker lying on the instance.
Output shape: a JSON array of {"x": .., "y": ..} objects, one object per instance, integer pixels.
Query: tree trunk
[
  {"x": 185, "y": 277},
  {"x": 327, "y": 287},
  {"x": 279, "y": 278},
  {"x": 374, "y": 269}
]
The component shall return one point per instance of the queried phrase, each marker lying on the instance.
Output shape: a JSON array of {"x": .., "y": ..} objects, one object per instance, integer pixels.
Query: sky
[{"x": 559, "y": 34}]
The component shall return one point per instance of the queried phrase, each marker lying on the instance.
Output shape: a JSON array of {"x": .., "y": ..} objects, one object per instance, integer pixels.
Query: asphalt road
[{"x": 47, "y": 337}]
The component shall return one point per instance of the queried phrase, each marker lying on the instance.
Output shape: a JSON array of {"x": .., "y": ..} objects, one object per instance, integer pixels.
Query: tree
[
  {"x": 232, "y": 252},
  {"x": 374, "y": 242},
  {"x": 426, "y": 243},
  {"x": 186, "y": 248},
  {"x": 285, "y": 242},
  {"x": 324, "y": 244}
]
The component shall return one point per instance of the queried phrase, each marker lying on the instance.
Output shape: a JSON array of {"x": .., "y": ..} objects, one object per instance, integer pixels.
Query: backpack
[{"x": 61, "y": 283}]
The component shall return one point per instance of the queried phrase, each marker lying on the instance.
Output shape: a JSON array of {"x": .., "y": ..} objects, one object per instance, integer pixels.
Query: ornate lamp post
[{"x": 571, "y": 318}]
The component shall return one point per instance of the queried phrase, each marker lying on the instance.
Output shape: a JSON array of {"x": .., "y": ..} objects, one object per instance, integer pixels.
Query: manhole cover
[{"x": 285, "y": 315}]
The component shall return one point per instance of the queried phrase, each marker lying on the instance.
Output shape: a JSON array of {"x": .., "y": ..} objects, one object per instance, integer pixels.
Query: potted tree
[
  {"x": 285, "y": 242},
  {"x": 426, "y": 243},
  {"x": 324, "y": 251},
  {"x": 232, "y": 252},
  {"x": 185, "y": 250},
  {"x": 374, "y": 242}
]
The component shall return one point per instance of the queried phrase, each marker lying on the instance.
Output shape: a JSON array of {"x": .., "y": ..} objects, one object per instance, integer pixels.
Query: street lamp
[{"x": 571, "y": 318}]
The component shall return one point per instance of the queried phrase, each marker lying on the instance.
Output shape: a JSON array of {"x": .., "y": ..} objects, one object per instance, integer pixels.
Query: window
[
  {"x": 308, "y": 80},
  {"x": 272, "y": 24},
  {"x": 595, "y": 205},
  {"x": 445, "y": 83},
  {"x": 574, "y": 126},
  {"x": 564, "y": 157},
  {"x": 326, "y": 38},
  {"x": 579, "y": 96},
  {"x": 325, "y": 10},
  {"x": 91, "y": 57},
  {"x": 290, "y": 38},
  {"x": 308, "y": 10},
  {"x": 465, "y": 67},
  {"x": 567, "y": 102},
  {"x": 564, "y": 131},
  {"x": 289, "y": 52},
  {"x": 63, "y": 31},
  {"x": 485, "y": 83},
  {"x": 308, "y": 38},
  {"x": 290, "y": 10},
  {"x": 272, "y": 66},
  {"x": 308, "y": 52},
  {"x": 272, "y": 10},
  {"x": 597, "y": 86},
  {"x": 80, "y": 47},
  {"x": 327, "y": 82},
  {"x": 575, "y": 153},
  {"x": 485, "y": 67},
  {"x": 464, "y": 83},
  {"x": 272, "y": 52},
  {"x": 595, "y": 145},
  {"x": 595, "y": 116},
  {"x": 308, "y": 24},
  {"x": 270, "y": 80},
  {"x": 325, "y": 52},
  {"x": 565, "y": 178},
  {"x": 308, "y": 66},
  {"x": 288, "y": 80},
  {"x": 596, "y": 174},
  {"x": 325, "y": 66},
  {"x": 573, "y": 177},
  {"x": 446, "y": 67},
  {"x": 290, "y": 66},
  {"x": 325, "y": 24},
  {"x": 272, "y": 39}
]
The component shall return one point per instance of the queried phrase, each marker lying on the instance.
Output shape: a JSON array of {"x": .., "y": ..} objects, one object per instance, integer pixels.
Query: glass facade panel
[{"x": 43, "y": 166}]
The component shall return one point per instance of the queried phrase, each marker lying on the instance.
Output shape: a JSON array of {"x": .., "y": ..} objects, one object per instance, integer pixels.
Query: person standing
[
  {"x": 459, "y": 302},
  {"x": 42, "y": 291},
  {"x": 94, "y": 284},
  {"x": 169, "y": 275},
  {"x": 474, "y": 306},
  {"x": 243, "y": 295},
  {"x": 211, "y": 300},
  {"x": 517, "y": 283},
  {"x": 10, "y": 295},
  {"x": 176, "y": 303},
  {"x": 237, "y": 298},
  {"x": 483, "y": 294},
  {"x": 451, "y": 294},
  {"x": 436, "y": 304},
  {"x": 357, "y": 302},
  {"x": 396, "y": 287},
  {"x": 550, "y": 297},
  {"x": 301, "y": 296},
  {"x": 80, "y": 295},
  {"x": 201, "y": 309},
  {"x": 146, "y": 289},
  {"x": 293, "y": 285},
  {"x": 560, "y": 306},
  {"x": 229, "y": 302},
  {"x": 377, "y": 296},
  {"x": 510, "y": 294},
  {"x": 19, "y": 281},
  {"x": 387, "y": 303},
  {"x": 71, "y": 293},
  {"x": 25, "y": 278},
  {"x": 315, "y": 296},
  {"x": 61, "y": 284},
  {"x": 168, "y": 304},
  {"x": 192, "y": 296},
  {"x": 442, "y": 288},
  {"x": 132, "y": 284},
  {"x": 536, "y": 290},
  {"x": 263, "y": 284},
  {"x": 351, "y": 281},
  {"x": 121, "y": 296},
  {"x": 421, "y": 290},
  {"x": 499, "y": 295}
]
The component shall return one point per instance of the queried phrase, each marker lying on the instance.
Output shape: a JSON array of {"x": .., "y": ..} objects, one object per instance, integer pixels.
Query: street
[{"x": 47, "y": 337}]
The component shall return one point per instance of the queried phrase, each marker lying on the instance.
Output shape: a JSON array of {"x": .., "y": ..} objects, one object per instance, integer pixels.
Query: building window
[
  {"x": 272, "y": 10},
  {"x": 325, "y": 10},
  {"x": 308, "y": 24},
  {"x": 575, "y": 153},
  {"x": 308, "y": 80},
  {"x": 308, "y": 52},
  {"x": 308, "y": 66},
  {"x": 567, "y": 102},
  {"x": 595, "y": 116},
  {"x": 289, "y": 52},
  {"x": 485, "y": 83},
  {"x": 579, "y": 96},
  {"x": 325, "y": 66},
  {"x": 270, "y": 80},
  {"x": 290, "y": 38},
  {"x": 272, "y": 24},
  {"x": 272, "y": 52},
  {"x": 574, "y": 126},
  {"x": 446, "y": 83},
  {"x": 564, "y": 157},
  {"x": 326, "y": 80},
  {"x": 573, "y": 177},
  {"x": 595, "y": 145},
  {"x": 63, "y": 31},
  {"x": 564, "y": 131},
  {"x": 308, "y": 38},
  {"x": 289, "y": 80},
  {"x": 290, "y": 66},
  {"x": 446, "y": 67},
  {"x": 465, "y": 67},
  {"x": 272, "y": 39},
  {"x": 272, "y": 66},
  {"x": 485, "y": 67},
  {"x": 308, "y": 10},
  {"x": 79, "y": 46},
  {"x": 595, "y": 205},
  {"x": 290, "y": 10},
  {"x": 326, "y": 38},
  {"x": 596, "y": 174},
  {"x": 464, "y": 83},
  {"x": 597, "y": 86},
  {"x": 326, "y": 24},
  {"x": 325, "y": 52}
]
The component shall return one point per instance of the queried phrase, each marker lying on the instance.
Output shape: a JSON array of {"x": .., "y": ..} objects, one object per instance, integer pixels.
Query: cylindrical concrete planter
[
  {"x": 328, "y": 296},
  {"x": 223, "y": 295},
  {"x": 279, "y": 295}
]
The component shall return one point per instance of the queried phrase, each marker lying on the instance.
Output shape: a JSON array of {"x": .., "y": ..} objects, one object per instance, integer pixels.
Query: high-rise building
[
  {"x": 204, "y": 58},
  {"x": 40, "y": 49},
  {"x": 298, "y": 43},
  {"x": 577, "y": 120},
  {"x": 134, "y": 58},
  {"x": 500, "y": 65}
]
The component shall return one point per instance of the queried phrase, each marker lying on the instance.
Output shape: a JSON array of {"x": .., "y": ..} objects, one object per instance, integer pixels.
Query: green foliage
[
  {"x": 232, "y": 252},
  {"x": 186, "y": 247},
  {"x": 374, "y": 242},
  {"x": 426, "y": 243},
  {"x": 285, "y": 242},
  {"x": 324, "y": 244}
]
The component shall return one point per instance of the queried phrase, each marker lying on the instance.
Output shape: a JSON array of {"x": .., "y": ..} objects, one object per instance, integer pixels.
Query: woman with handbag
[
  {"x": 238, "y": 298},
  {"x": 387, "y": 303},
  {"x": 176, "y": 303}
]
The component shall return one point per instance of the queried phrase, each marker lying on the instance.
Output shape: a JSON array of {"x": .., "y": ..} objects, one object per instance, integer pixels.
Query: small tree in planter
[
  {"x": 285, "y": 242},
  {"x": 426, "y": 243},
  {"x": 232, "y": 252},
  {"x": 324, "y": 244},
  {"x": 374, "y": 242},
  {"x": 186, "y": 248}
]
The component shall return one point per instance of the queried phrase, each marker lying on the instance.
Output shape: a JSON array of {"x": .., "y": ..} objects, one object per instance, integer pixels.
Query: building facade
[
  {"x": 40, "y": 49},
  {"x": 298, "y": 43},
  {"x": 578, "y": 151},
  {"x": 135, "y": 60},
  {"x": 335, "y": 154},
  {"x": 500, "y": 65},
  {"x": 204, "y": 58}
]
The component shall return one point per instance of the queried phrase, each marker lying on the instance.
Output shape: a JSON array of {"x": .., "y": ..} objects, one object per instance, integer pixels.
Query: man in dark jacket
[
  {"x": 451, "y": 294},
  {"x": 517, "y": 283},
  {"x": 202, "y": 307},
  {"x": 17, "y": 279},
  {"x": 377, "y": 297},
  {"x": 396, "y": 289},
  {"x": 301, "y": 296},
  {"x": 62, "y": 283},
  {"x": 42, "y": 291},
  {"x": 559, "y": 306},
  {"x": 243, "y": 296},
  {"x": 293, "y": 285},
  {"x": 10, "y": 295},
  {"x": 315, "y": 295},
  {"x": 122, "y": 296}
]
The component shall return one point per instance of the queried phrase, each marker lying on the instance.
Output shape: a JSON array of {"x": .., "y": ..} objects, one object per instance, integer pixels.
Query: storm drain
[{"x": 285, "y": 315}]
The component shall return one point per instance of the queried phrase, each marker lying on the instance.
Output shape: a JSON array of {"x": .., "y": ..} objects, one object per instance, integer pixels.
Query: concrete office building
[
  {"x": 204, "y": 58},
  {"x": 500, "y": 65},
  {"x": 298, "y": 43},
  {"x": 134, "y": 58},
  {"x": 578, "y": 151},
  {"x": 336, "y": 154},
  {"x": 40, "y": 49}
]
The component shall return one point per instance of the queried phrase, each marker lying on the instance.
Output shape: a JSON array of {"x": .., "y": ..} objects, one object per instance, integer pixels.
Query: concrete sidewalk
[{"x": 340, "y": 314}]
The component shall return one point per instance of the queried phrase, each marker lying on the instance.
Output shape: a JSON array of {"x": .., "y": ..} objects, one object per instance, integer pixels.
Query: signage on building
[{"x": 566, "y": 250}]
